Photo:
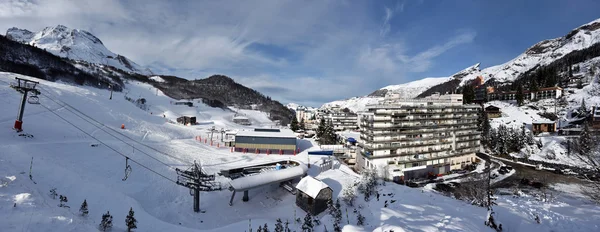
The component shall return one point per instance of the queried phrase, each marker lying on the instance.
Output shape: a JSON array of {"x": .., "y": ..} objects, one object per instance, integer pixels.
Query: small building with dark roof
[
  {"x": 543, "y": 126},
  {"x": 313, "y": 195},
  {"x": 493, "y": 112},
  {"x": 186, "y": 120},
  {"x": 266, "y": 140}
]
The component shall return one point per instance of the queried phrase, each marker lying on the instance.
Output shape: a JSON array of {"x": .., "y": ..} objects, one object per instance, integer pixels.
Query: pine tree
[
  {"x": 468, "y": 94},
  {"x": 286, "y": 226},
  {"x": 265, "y": 228},
  {"x": 349, "y": 195},
  {"x": 308, "y": 224},
  {"x": 360, "y": 219},
  {"x": 294, "y": 125},
  {"x": 582, "y": 109},
  {"x": 302, "y": 124},
  {"x": 84, "y": 208},
  {"x": 53, "y": 193},
  {"x": 330, "y": 136},
  {"x": 106, "y": 222},
  {"x": 279, "y": 225},
  {"x": 63, "y": 200},
  {"x": 260, "y": 229},
  {"x": 130, "y": 221},
  {"x": 321, "y": 129},
  {"x": 585, "y": 142},
  {"x": 485, "y": 130},
  {"x": 519, "y": 96}
]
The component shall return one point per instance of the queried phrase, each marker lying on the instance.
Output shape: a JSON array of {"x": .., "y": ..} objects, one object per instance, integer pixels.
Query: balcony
[{"x": 409, "y": 157}]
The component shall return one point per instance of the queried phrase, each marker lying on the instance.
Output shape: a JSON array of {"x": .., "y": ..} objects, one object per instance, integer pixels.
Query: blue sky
[{"x": 310, "y": 52}]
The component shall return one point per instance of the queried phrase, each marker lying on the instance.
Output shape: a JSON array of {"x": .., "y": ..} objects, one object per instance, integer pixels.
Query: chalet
[
  {"x": 493, "y": 112},
  {"x": 313, "y": 195},
  {"x": 543, "y": 126},
  {"x": 242, "y": 120}
]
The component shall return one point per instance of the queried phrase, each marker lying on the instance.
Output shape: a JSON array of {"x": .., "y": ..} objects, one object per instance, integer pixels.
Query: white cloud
[
  {"x": 338, "y": 48},
  {"x": 389, "y": 59}
]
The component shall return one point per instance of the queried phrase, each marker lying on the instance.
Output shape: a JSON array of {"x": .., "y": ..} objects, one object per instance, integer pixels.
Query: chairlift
[
  {"x": 33, "y": 100},
  {"x": 127, "y": 169}
]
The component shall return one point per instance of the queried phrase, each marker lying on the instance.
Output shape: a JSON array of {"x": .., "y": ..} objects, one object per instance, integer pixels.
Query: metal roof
[
  {"x": 277, "y": 176},
  {"x": 283, "y": 133},
  {"x": 311, "y": 186}
]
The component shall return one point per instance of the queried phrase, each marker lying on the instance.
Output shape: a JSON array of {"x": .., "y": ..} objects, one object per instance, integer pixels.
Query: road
[{"x": 528, "y": 172}]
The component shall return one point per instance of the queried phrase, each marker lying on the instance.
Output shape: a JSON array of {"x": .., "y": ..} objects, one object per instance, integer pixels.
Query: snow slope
[
  {"x": 76, "y": 45},
  {"x": 63, "y": 159}
]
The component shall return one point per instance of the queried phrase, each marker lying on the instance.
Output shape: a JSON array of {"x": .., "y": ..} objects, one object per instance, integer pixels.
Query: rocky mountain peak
[{"x": 75, "y": 44}]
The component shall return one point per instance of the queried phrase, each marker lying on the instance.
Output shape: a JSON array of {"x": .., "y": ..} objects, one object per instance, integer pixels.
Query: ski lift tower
[
  {"x": 24, "y": 86},
  {"x": 197, "y": 180}
]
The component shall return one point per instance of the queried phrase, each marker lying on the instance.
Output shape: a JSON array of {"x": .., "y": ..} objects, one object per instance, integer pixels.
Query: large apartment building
[
  {"x": 408, "y": 138},
  {"x": 343, "y": 120}
]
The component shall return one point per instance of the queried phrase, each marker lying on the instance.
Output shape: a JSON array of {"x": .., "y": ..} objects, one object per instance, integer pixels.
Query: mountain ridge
[
  {"x": 75, "y": 44},
  {"x": 540, "y": 54}
]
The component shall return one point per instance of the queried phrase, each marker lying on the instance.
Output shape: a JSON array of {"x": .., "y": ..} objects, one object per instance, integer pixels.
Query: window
[{"x": 310, "y": 200}]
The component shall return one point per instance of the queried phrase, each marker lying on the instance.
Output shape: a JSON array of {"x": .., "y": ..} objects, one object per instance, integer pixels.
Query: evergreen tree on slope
[
  {"x": 294, "y": 124},
  {"x": 106, "y": 222},
  {"x": 308, "y": 224},
  {"x": 84, "y": 208},
  {"x": 130, "y": 221}
]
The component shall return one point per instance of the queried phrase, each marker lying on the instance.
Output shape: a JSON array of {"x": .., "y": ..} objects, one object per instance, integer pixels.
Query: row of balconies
[
  {"x": 442, "y": 110},
  {"x": 384, "y": 139},
  {"x": 379, "y": 126},
  {"x": 405, "y": 158},
  {"x": 371, "y": 132}
]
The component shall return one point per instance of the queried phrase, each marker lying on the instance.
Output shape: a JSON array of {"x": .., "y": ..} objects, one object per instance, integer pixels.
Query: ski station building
[
  {"x": 432, "y": 135},
  {"x": 266, "y": 140}
]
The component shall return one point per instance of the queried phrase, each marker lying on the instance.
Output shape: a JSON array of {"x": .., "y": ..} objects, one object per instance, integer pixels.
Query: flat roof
[
  {"x": 543, "y": 122},
  {"x": 267, "y": 132}
]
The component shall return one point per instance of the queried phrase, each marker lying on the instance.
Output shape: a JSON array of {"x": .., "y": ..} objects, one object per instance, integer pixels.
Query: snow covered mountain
[
  {"x": 540, "y": 54},
  {"x": 75, "y": 44},
  {"x": 84, "y": 159},
  {"x": 292, "y": 106},
  {"x": 407, "y": 90}
]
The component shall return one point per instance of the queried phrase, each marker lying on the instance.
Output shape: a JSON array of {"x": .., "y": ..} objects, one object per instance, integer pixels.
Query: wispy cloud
[
  {"x": 389, "y": 14},
  {"x": 339, "y": 50},
  {"x": 423, "y": 60}
]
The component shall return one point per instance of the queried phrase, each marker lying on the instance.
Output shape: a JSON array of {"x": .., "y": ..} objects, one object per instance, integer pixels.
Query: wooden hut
[
  {"x": 493, "y": 112},
  {"x": 313, "y": 195},
  {"x": 186, "y": 120}
]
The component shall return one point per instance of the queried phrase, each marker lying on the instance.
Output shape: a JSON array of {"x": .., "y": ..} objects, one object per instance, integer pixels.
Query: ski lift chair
[{"x": 33, "y": 100}]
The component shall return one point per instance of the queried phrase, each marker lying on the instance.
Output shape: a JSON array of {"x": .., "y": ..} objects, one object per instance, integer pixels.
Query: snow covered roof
[
  {"x": 311, "y": 186},
  {"x": 270, "y": 133},
  {"x": 240, "y": 118},
  {"x": 543, "y": 122},
  {"x": 250, "y": 182}
]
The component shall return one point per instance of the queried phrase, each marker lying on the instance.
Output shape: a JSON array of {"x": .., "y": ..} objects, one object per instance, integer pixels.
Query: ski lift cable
[
  {"x": 115, "y": 150},
  {"x": 169, "y": 166},
  {"x": 116, "y": 131}
]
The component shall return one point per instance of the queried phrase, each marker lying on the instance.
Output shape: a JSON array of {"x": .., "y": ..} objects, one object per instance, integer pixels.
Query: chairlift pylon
[{"x": 33, "y": 100}]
